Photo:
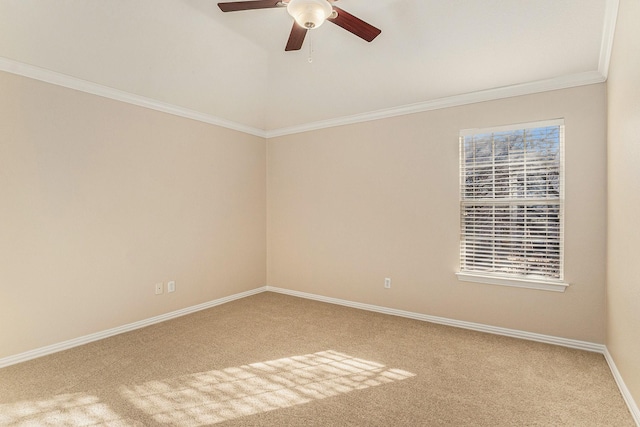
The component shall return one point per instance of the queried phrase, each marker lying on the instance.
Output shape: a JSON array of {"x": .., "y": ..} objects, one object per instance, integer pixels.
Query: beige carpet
[{"x": 276, "y": 360}]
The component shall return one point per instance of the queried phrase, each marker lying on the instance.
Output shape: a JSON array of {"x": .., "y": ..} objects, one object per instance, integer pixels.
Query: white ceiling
[{"x": 232, "y": 68}]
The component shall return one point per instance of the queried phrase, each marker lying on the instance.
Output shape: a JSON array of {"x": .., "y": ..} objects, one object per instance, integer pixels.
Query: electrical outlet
[
  {"x": 159, "y": 288},
  {"x": 387, "y": 282},
  {"x": 171, "y": 286}
]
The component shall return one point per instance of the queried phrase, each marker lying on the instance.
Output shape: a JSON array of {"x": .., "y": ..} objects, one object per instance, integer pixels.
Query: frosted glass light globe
[{"x": 309, "y": 14}]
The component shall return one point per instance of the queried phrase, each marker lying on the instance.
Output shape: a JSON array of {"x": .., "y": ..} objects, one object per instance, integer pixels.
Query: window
[{"x": 512, "y": 205}]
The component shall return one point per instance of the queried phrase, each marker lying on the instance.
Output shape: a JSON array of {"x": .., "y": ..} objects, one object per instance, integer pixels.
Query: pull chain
[{"x": 310, "y": 58}]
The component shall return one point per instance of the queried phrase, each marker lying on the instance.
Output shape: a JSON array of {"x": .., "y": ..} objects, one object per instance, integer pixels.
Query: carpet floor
[{"x": 277, "y": 360}]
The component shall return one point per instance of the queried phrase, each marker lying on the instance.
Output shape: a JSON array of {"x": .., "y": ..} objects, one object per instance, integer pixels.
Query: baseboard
[
  {"x": 65, "y": 345},
  {"x": 548, "y": 339},
  {"x": 626, "y": 394},
  {"x": 582, "y": 345}
]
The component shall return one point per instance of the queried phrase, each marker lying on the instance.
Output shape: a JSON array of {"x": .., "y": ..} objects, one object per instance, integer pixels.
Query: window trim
[{"x": 543, "y": 283}]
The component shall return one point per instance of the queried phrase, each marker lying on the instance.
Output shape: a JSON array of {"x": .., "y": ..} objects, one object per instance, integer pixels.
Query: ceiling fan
[{"x": 308, "y": 14}]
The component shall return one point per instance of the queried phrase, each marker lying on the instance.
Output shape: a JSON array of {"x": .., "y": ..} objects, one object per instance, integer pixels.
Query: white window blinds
[{"x": 511, "y": 201}]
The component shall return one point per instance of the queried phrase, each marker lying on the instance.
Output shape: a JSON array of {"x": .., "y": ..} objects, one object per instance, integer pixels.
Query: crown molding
[
  {"x": 564, "y": 82},
  {"x": 608, "y": 32},
  {"x": 75, "y": 83}
]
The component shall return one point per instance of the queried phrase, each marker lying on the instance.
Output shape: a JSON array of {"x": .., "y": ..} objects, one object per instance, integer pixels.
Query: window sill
[{"x": 545, "y": 285}]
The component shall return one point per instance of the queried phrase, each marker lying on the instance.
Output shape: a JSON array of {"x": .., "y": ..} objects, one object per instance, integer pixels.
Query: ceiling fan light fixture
[{"x": 309, "y": 14}]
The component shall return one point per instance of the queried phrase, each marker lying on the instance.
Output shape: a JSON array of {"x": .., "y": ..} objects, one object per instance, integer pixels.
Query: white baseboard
[
  {"x": 581, "y": 345},
  {"x": 626, "y": 394},
  {"x": 65, "y": 345}
]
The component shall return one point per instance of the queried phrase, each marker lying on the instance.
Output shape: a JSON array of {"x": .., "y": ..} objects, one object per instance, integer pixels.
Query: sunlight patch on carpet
[
  {"x": 215, "y": 396},
  {"x": 75, "y": 409}
]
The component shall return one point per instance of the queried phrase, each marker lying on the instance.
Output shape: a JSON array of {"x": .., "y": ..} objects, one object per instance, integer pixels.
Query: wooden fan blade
[
  {"x": 248, "y": 5},
  {"x": 355, "y": 25},
  {"x": 296, "y": 38}
]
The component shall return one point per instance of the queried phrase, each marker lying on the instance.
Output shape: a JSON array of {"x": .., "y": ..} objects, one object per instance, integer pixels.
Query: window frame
[{"x": 507, "y": 279}]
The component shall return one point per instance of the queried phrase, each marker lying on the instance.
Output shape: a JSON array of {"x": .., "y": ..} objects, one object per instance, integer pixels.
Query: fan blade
[
  {"x": 296, "y": 38},
  {"x": 248, "y": 5},
  {"x": 355, "y": 25}
]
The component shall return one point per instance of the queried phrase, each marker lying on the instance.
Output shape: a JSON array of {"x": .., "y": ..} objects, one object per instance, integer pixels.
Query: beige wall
[
  {"x": 623, "y": 279},
  {"x": 351, "y": 205},
  {"x": 101, "y": 199}
]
